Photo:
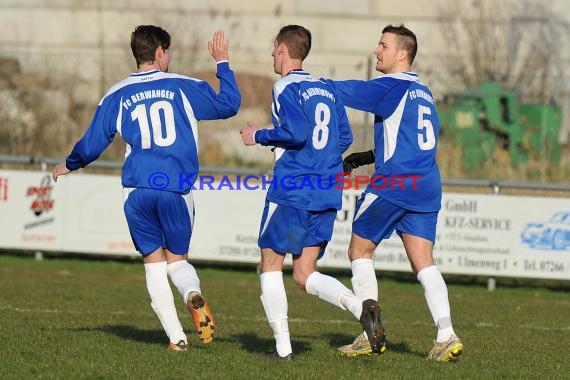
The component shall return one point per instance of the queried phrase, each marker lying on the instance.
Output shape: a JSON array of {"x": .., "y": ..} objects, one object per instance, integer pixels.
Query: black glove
[{"x": 354, "y": 160}]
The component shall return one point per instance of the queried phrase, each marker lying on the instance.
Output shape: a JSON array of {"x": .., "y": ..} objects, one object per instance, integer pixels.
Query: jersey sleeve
[
  {"x": 209, "y": 105},
  {"x": 97, "y": 137},
  {"x": 362, "y": 95},
  {"x": 289, "y": 121},
  {"x": 345, "y": 133}
]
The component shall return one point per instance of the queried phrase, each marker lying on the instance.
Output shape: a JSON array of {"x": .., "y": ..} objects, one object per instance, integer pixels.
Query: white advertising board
[
  {"x": 489, "y": 235},
  {"x": 79, "y": 213}
]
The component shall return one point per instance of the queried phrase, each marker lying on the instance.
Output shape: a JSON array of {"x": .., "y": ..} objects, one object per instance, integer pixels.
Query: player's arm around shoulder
[
  {"x": 344, "y": 130},
  {"x": 363, "y": 95}
]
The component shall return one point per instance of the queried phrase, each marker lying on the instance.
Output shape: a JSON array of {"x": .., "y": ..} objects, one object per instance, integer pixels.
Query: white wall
[{"x": 87, "y": 41}]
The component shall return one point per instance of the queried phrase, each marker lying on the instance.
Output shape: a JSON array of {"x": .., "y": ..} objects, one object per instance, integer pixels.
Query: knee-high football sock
[
  {"x": 274, "y": 301},
  {"x": 333, "y": 291},
  {"x": 364, "y": 282},
  {"x": 437, "y": 300},
  {"x": 162, "y": 301},
  {"x": 184, "y": 277}
]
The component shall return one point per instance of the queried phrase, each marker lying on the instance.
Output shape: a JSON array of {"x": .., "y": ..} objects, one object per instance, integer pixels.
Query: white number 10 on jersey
[{"x": 140, "y": 114}]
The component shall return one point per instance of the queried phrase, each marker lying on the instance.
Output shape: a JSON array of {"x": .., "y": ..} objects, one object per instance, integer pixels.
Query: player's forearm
[
  {"x": 279, "y": 137},
  {"x": 229, "y": 98},
  {"x": 88, "y": 148},
  {"x": 79, "y": 158}
]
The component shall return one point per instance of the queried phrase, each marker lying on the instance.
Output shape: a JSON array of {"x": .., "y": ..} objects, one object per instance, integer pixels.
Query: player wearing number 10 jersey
[{"x": 156, "y": 113}]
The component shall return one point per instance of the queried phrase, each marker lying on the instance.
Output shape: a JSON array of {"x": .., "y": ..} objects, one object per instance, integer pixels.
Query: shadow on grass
[
  {"x": 254, "y": 344},
  {"x": 130, "y": 333},
  {"x": 403, "y": 348},
  {"x": 135, "y": 334},
  {"x": 337, "y": 340}
]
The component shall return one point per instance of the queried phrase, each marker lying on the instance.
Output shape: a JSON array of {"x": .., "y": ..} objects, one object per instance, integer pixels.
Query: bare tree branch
[{"x": 518, "y": 44}]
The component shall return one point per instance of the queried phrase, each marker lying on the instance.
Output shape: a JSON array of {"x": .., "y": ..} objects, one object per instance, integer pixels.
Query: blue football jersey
[
  {"x": 311, "y": 131},
  {"x": 406, "y": 129},
  {"x": 156, "y": 113}
]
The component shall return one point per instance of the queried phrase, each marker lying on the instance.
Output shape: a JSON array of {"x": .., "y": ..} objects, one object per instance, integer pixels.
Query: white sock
[
  {"x": 162, "y": 301},
  {"x": 435, "y": 292},
  {"x": 274, "y": 301},
  {"x": 444, "y": 329},
  {"x": 184, "y": 277},
  {"x": 363, "y": 280},
  {"x": 333, "y": 291},
  {"x": 282, "y": 338}
]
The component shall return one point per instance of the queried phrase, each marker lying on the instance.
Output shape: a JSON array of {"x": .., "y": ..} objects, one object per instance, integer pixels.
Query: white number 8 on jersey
[{"x": 321, "y": 130}]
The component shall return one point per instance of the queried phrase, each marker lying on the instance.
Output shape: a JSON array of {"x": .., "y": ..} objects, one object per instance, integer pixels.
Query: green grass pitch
[{"x": 64, "y": 318}]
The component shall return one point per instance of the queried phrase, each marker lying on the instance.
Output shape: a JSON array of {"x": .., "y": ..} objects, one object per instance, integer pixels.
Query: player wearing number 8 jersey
[
  {"x": 310, "y": 133},
  {"x": 406, "y": 129},
  {"x": 156, "y": 114}
]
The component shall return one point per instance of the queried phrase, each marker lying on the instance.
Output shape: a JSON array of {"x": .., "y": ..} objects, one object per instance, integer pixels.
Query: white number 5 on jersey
[{"x": 426, "y": 135}]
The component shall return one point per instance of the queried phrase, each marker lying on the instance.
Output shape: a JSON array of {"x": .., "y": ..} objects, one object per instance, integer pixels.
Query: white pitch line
[
  {"x": 532, "y": 327},
  {"x": 481, "y": 324},
  {"x": 56, "y": 311},
  {"x": 121, "y": 312}
]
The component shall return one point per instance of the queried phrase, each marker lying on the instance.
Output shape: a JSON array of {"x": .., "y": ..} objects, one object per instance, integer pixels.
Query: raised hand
[{"x": 219, "y": 46}]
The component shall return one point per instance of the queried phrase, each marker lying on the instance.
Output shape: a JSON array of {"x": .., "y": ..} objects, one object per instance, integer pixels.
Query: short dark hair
[
  {"x": 297, "y": 39},
  {"x": 406, "y": 39},
  {"x": 145, "y": 40}
]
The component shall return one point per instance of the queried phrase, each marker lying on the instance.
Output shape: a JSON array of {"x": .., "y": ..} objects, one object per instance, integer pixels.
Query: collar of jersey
[
  {"x": 145, "y": 72},
  {"x": 297, "y": 71}
]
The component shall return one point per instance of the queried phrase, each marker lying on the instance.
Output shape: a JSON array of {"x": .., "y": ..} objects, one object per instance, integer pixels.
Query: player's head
[
  {"x": 150, "y": 44},
  {"x": 397, "y": 47},
  {"x": 297, "y": 42}
]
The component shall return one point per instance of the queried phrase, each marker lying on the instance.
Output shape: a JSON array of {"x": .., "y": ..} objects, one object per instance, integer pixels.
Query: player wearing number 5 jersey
[
  {"x": 310, "y": 133},
  {"x": 406, "y": 129},
  {"x": 156, "y": 114}
]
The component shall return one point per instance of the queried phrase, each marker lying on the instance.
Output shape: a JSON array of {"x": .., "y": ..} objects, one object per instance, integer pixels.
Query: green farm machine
[{"x": 489, "y": 124}]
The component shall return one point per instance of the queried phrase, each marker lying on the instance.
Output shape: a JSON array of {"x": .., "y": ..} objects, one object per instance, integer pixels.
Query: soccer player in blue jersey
[
  {"x": 406, "y": 129},
  {"x": 311, "y": 131},
  {"x": 156, "y": 114}
]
